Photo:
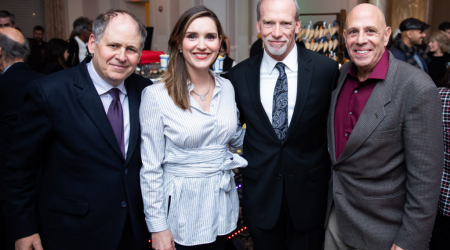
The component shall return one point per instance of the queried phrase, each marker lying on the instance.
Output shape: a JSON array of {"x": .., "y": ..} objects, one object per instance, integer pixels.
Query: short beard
[{"x": 276, "y": 51}]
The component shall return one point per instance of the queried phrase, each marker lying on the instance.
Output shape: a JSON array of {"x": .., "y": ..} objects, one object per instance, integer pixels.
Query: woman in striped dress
[{"x": 187, "y": 122}]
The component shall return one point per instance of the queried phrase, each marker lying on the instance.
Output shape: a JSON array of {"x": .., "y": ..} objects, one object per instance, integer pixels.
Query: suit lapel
[
  {"x": 372, "y": 114},
  {"x": 304, "y": 79},
  {"x": 92, "y": 105},
  {"x": 334, "y": 98},
  {"x": 133, "y": 104},
  {"x": 252, "y": 76}
]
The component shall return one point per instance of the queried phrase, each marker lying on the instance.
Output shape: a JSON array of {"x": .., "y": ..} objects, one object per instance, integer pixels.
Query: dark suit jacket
[
  {"x": 73, "y": 59},
  {"x": 87, "y": 187},
  {"x": 12, "y": 88},
  {"x": 386, "y": 182},
  {"x": 301, "y": 163}
]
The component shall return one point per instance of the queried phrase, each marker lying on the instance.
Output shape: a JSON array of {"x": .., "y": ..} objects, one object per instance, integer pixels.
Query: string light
[
  {"x": 237, "y": 232},
  {"x": 239, "y": 186}
]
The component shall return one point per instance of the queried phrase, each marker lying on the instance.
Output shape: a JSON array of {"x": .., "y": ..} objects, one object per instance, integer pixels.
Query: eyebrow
[
  {"x": 196, "y": 33},
  {"x": 365, "y": 27}
]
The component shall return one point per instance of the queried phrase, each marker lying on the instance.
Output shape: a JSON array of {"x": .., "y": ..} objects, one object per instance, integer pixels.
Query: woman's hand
[{"x": 163, "y": 241}]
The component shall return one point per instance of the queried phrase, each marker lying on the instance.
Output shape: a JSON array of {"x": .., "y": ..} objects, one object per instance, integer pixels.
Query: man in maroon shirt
[{"x": 385, "y": 142}]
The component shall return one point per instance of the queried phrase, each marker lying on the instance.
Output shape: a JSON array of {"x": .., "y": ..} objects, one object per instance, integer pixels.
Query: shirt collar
[
  {"x": 290, "y": 61},
  {"x": 380, "y": 70},
  {"x": 101, "y": 85},
  {"x": 6, "y": 69},
  {"x": 79, "y": 41}
]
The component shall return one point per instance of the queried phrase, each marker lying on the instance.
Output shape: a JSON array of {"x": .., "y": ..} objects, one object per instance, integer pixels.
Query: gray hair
[
  {"x": 13, "y": 50},
  {"x": 80, "y": 24},
  {"x": 102, "y": 21},
  {"x": 5, "y": 13},
  {"x": 258, "y": 12}
]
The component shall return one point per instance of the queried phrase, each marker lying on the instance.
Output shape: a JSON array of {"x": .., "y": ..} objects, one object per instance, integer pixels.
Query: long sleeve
[
  {"x": 424, "y": 154},
  {"x": 31, "y": 137},
  {"x": 152, "y": 153}
]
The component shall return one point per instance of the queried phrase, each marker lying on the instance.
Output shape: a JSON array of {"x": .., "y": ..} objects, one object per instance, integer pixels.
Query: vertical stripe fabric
[{"x": 186, "y": 161}]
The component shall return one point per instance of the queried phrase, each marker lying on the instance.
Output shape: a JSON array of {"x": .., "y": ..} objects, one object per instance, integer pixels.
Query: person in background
[
  {"x": 13, "y": 83},
  {"x": 385, "y": 142},
  {"x": 228, "y": 62},
  {"x": 284, "y": 94},
  {"x": 188, "y": 119},
  {"x": 38, "y": 36},
  {"x": 81, "y": 127},
  {"x": 55, "y": 56},
  {"x": 440, "y": 59},
  {"x": 445, "y": 26},
  {"x": 407, "y": 44},
  {"x": 257, "y": 46},
  {"x": 82, "y": 28},
  {"x": 7, "y": 19},
  {"x": 441, "y": 231}
]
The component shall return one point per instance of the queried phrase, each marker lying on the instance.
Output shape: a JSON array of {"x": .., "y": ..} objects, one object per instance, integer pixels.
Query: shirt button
[
  {"x": 350, "y": 113},
  {"x": 356, "y": 91},
  {"x": 346, "y": 135},
  {"x": 126, "y": 171},
  {"x": 124, "y": 204}
]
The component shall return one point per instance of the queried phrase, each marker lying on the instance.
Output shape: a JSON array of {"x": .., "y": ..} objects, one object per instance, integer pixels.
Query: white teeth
[{"x": 362, "y": 52}]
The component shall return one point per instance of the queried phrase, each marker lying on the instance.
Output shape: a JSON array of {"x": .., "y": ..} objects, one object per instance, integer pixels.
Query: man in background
[
  {"x": 7, "y": 19},
  {"x": 38, "y": 36},
  {"x": 407, "y": 44},
  {"x": 445, "y": 26},
  {"x": 14, "y": 80},
  {"x": 82, "y": 28}
]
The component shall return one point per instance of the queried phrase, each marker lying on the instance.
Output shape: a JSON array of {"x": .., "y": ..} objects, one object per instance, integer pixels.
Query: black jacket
[
  {"x": 73, "y": 59},
  {"x": 87, "y": 189},
  {"x": 301, "y": 163},
  {"x": 13, "y": 84}
]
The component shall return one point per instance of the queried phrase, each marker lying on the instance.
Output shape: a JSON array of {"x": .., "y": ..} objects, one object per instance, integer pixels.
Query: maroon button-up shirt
[{"x": 352, "y": 99}]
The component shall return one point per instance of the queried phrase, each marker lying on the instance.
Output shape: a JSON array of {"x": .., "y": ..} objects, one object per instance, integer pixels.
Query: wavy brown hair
[{"x": 176, "y": 76}]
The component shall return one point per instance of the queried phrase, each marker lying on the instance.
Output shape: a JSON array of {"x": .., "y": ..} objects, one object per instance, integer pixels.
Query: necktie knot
[
  {"x": 280, "y": 67},
  {"x": 114, "y": 92}
]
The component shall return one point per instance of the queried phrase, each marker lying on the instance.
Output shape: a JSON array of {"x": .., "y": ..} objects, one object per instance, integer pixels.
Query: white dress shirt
[
  {"x": 268, "y": 79},
  {"x": 81, "y": 48},
  {"x": 187, "y": 181},
  {"x": 102, "y": 88}
]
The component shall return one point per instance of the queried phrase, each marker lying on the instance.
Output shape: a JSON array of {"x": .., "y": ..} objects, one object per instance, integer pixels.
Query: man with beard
[
  {"x": 406, "y": 44},
  {"x": 283, "y": 94}
]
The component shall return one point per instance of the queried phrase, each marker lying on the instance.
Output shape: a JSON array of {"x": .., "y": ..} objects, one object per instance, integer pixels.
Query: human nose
[
  {"x": 121, "y": 55},
  {"x": 276, "y": 32},
  {"x": 361, "y": 39},
  {"x": 201, "y": 44}
]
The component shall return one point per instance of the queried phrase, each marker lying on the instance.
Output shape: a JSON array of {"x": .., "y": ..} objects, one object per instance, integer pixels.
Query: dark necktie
[
  {"x": 280, "y": 104},
  {"x": 115, "y": 116}
]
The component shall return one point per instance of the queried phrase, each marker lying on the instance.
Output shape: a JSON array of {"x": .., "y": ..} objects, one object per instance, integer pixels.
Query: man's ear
[
  {"x": 1, "y": 52},
  {"x": 408, "y": 34},
  {"x": 91, "y": 44}
]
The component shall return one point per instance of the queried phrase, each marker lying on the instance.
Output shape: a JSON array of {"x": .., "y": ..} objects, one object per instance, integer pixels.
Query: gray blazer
[{"x": 385, "y": 185}]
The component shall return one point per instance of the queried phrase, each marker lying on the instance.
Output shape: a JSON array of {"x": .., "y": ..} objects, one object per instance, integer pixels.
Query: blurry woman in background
[
  {"x": 55, "y": 56},
  {"x": 439, "y": 46},
  {"x": 187, "y": 122},
  {"x": 441, "y": 231}
]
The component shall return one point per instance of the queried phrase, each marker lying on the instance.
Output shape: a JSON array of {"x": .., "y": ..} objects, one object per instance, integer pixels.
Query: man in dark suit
[
  {"x": 82, "y": 29},
  {"x": 283, "y": 95},
  {"x": 386, "y": 144},
  {"x": 13, "y": 82},
  {"x": 82, "y": 126}
]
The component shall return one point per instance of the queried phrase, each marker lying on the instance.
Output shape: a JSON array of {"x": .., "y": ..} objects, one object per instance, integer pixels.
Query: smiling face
[
  {"x": 278, "y": 27},
  {"x": 118, "y": 51},
  {"x": 200, "y": 44},
  {"x": 366, "y": 36},
  {"x": 434, "y": 46}
]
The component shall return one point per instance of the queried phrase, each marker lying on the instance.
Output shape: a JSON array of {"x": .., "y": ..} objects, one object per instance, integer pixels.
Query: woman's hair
[
  {"x": 177, "y": 75},
  {"x": 442, "y": 39},
  {"x": 223, "y": 44},
  {"x": 445, "y": 82},
  {"x": 54, "y": 52}
]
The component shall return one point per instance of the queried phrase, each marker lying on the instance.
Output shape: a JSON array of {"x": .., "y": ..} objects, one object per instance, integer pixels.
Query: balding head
[
  {"x": 13, "y": 47},
  {"x": 366, "y": 37}
]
